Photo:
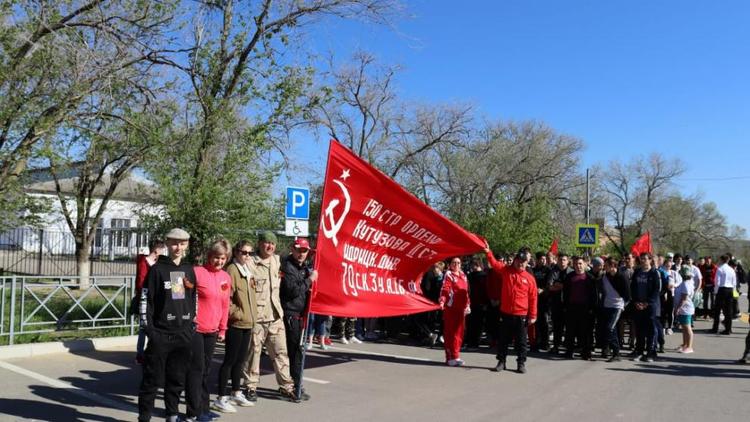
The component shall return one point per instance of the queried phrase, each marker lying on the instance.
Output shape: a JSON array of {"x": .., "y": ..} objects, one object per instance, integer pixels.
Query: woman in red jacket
[
  {"x": 214, "y": 288},
  {"x": 454, "y": 301}
]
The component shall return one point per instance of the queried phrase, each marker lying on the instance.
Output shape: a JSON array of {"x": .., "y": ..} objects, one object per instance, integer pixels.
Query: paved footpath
[{"x": 386, "y": 382}]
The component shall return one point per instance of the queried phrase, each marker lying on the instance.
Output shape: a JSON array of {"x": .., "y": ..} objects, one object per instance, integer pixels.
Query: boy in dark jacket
[
  {"x": 644, "y": 289},
  {"x": 168, "y": 308}
]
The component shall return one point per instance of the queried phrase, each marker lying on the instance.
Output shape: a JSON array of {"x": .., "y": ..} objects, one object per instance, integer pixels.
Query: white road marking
[
  {"x": 367, "y": 352},
  {"x": 266, "y": 372},
  {"x": 70, "y": 387}
]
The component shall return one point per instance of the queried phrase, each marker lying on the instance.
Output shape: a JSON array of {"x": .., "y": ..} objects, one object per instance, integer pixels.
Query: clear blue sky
[{"x": 627, "y": 77}]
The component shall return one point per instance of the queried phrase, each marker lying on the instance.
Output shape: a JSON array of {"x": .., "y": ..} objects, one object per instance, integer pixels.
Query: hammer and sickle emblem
[{"x": 331, "y": 229}]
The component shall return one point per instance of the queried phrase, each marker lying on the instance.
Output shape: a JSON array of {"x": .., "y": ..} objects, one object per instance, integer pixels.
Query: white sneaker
[
  {"x": 459, "y": 362},
  {"x": 344, "y": 340},
  {"x": 240, "y": 400},
  {"x": 452, "y": 362},
  {"x": 669, "y": 331},
  {"x": 687, "y": 350},
  {"x": 308, "y": 345},
  {"x": 355, "y": 340},
  {"x": 323, "y": 345},
  {"x": 222, "y": 405}
]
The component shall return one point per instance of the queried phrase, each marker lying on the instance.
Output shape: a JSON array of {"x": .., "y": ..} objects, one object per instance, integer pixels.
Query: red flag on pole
[
  {"x": 642, "y": 244},
  {"x": 553, "y": 247},
  {"x": 375, "y": 240}
]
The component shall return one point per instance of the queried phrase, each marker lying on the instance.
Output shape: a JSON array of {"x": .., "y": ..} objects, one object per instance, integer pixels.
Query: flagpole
[{"x": 304, "y": 337}]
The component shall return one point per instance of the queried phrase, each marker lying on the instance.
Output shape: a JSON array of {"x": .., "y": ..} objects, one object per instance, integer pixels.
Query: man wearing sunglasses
[{"x": 296, "y": 281}]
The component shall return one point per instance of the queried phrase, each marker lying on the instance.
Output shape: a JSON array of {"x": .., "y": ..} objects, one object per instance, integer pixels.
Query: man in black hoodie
[
  {"x": 296, "y": 280},
  {"x": 167, "y": 311}
]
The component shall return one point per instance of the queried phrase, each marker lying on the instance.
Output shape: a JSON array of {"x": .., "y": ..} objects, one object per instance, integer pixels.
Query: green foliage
[
  {"x": 227, "y": 193},
  {"x": 514, "y": 224}
]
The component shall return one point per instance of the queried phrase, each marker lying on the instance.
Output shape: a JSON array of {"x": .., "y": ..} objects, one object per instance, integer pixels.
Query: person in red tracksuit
[
  {"x": 454, "y": 301},
  {"x": 518, "y": 300}
]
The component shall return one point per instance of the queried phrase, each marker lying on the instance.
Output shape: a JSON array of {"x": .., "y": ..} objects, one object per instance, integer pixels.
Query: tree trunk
[{"x": 83, "y": 264}]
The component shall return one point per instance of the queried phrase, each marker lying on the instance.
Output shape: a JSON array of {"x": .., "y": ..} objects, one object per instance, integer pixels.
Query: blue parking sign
[{"x": 297, "y": 203}]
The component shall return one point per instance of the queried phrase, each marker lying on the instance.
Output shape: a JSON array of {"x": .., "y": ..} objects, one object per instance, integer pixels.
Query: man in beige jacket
[{"x": 268, "y": 330}]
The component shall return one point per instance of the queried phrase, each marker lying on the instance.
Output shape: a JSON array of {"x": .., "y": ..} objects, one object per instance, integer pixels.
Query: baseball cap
[
  {"x": 670, "y": 255},
  {"x": 301, "y": 243}
]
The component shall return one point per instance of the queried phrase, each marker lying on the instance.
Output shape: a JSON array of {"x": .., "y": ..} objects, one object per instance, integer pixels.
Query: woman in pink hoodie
[{"x": 214, "y": 287}]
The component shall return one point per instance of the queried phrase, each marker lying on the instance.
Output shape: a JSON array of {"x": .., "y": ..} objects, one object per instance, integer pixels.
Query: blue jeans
[{"x": 317, "y": 325}]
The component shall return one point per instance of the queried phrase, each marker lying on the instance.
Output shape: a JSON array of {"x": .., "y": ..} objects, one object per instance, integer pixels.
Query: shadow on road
[
  {"x": 690, "y": 368},
  {"x": 67, "y": 406}
]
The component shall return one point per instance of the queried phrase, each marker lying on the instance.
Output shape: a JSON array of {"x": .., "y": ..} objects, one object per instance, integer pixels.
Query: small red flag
[
  {"x": 553, "y": 247},
  {"x": 642, "y": 244},
  {"x": 375, "y": 240}
]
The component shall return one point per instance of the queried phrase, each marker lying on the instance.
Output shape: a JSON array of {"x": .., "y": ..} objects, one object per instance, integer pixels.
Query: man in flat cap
[
  {"x": 168, "y": 307},
  {"x": 268, "y": 331}
]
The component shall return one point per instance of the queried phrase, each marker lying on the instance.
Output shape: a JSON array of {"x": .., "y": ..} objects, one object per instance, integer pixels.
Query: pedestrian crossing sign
[{"x": 587, "y": 235}]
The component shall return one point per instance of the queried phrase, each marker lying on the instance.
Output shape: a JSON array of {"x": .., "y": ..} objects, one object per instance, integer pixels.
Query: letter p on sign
[{"x": 297, "y": 203}]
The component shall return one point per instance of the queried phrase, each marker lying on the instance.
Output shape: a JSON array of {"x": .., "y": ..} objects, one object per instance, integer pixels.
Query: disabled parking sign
[{"x": 587, "y": 235}]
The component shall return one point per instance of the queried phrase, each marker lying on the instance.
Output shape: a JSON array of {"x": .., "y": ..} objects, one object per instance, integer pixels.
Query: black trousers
[
  {"x": 236, "y": 349},
  {"x": 558, "y": 324},
  {"x": 579, "y": 322},
  {"x": 166, "y": 361},
  {"x": 196, "y": 392},
  {"x": 610, "y": 338},
  {"x": 645, "y": 323},
  {"x": 475, "y": 325},
  {"x": 513, "y": 327},
  {"x": 724, "y": 303},
  {"x": 709, "y": 301},
  {"x": 542, "y": 327},
  {"x": 293, "y": 327}
]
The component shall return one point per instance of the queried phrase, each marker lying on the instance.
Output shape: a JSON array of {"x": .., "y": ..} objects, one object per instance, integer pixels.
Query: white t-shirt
[{"x": 686, "y": 308}]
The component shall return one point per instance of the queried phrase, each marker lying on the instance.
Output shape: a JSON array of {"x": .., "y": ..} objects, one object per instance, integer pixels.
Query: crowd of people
[
  {"x": 577, "y": 305},
  {"x": 255, "y": 302}
]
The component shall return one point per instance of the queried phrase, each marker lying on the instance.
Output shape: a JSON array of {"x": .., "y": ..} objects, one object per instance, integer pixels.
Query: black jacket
[
  {"x": 619, "y": 282},
  {"x": 295, "y": 286},
  {"x": 645, "y": 287},
  {"x": 170, "y": 296}
]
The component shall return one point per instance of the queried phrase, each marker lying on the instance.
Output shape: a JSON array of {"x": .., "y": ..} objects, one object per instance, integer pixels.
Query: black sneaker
[
  {"x": 289, "y": 395},
  {"x": 303, "y": 396},
  {"x": 726, "y": 333},
  {"x": 614, "y": 358},
  {"x": 521, "y": 368},
  {"x": 251, "y": 395},
  {"x": 499, "y": 367}
]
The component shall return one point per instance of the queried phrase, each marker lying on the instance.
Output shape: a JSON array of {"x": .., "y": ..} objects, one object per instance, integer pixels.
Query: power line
[{"x": 713, "y": 179}]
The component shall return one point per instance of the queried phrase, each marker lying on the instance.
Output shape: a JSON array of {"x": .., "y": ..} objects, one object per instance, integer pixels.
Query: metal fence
[
  {"x": 37, "y": 305},
  {"x": 31, "y": 251}
]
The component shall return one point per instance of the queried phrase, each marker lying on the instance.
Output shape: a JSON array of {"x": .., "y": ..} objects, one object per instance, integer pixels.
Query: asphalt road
[{"x": 387, "y": 382}]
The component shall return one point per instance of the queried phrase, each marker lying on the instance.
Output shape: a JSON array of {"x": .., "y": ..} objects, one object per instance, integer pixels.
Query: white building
[{"x": 118, "y": 231}]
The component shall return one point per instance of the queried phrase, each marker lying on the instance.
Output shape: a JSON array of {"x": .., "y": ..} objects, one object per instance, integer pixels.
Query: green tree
[
  {"x": 243, "y": 97},
  {"x": 59, "y": 62}
]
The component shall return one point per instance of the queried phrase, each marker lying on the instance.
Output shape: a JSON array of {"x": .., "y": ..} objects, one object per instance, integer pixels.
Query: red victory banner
[
  {"x": 642, "y": 244},
  {"x": 375, "y": 241},
  {"x": 554, "y": 247}
]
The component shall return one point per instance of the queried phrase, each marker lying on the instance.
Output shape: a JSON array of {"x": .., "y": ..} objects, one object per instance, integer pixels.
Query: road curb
[{"x": 68, "y": 346}]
